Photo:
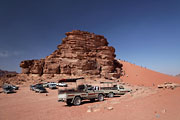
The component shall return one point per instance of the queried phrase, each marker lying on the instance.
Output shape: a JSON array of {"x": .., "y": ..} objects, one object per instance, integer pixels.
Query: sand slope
[{"x": 137, "y": 75}]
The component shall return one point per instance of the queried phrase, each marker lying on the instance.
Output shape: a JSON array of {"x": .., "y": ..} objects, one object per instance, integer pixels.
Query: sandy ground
[
  {"x": 142, "y": 104},
  {"x": 146, "y": 102},
  {"x": 137, "y": 75}
]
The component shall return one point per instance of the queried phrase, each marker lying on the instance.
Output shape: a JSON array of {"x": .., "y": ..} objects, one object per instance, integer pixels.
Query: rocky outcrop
[
  {"x": 5, "y": 72},
  {"x": 5, "y": 75},
  {"x": 80, "y": 54},
  {"x": 32, "y": 66}
]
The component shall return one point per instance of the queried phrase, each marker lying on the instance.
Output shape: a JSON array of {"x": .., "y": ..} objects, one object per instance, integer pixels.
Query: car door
[{"x": 91, "y": 93}]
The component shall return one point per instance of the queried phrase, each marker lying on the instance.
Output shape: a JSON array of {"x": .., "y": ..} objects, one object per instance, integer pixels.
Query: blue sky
[{"x": 144, "y": 32}]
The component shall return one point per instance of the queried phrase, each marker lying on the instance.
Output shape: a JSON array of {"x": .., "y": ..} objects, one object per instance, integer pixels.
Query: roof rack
[
  {"x": 70, "y": 80},
  {"x": 107, "y": 82}
]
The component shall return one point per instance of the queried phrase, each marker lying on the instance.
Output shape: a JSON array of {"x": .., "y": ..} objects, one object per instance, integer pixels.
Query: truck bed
[{"x": 69, "y": 91}]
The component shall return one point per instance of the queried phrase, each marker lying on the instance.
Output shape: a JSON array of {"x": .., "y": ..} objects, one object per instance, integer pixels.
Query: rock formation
[
  {"x": 80, "y": 54},
  {"x": 5, "y": 72}
]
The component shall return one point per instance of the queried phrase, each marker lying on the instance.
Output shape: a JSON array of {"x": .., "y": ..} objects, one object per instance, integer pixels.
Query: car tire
[
  {"x": 110, "y": 95},
  {"x": 68, "y": 102},
  {"x": 100, "y": 97},
  {"x": 77, "y": 101}
]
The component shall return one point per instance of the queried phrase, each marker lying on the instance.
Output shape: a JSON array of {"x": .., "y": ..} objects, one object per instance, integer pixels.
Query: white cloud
[
  {"x": 6, "y": 53},
  {"x": 16, "y": 53}
]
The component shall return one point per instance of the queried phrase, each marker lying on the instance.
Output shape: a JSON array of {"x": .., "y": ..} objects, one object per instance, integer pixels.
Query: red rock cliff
[{"x": 80, "y": 54}]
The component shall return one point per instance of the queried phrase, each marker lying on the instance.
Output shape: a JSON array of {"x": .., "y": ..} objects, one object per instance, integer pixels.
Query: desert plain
[{"x": 145, "y": 102}]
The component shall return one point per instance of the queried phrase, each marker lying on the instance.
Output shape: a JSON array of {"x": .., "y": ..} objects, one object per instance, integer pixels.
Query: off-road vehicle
[
  {"x": 82, "y": 92},
  {"x": 114, "y": 89},
  {"x": 52, "y": 85},
  {"x": 38, "y": 88},
  {"x": 8, "y": 88}
]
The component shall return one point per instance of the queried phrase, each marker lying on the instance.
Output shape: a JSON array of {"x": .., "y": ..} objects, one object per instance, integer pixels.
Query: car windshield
[
  {"x": 41, "y": 88},
  {"x": 121, "y": 87},
  {"x": 39, "y": 85},
  {"x": 90, "y": 88},
  {"x": 8, "y": 88}
]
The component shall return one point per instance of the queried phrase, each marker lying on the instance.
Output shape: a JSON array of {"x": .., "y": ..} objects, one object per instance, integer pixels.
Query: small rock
[
  {"x": 96, "y": 110},
  {"x": 110, "y": 108},
  {"x": 89, "y": 110},
  {"x": 163, "y": 111},
  {"x": 157, "y": 115}
]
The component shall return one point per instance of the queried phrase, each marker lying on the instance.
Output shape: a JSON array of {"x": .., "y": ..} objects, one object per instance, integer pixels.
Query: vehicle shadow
[
  {"x": 10, "y": 92},
  {"x": 87, "y": 102},
  {"x": 53, "y": 88},
  {"x": 43, "y": 92},
  {"x": 117, "y": 96},
  {"x": 84, "y": 102}
]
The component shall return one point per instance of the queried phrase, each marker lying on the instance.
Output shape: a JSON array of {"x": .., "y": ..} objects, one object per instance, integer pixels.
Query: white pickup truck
[
  {"x": 82, "y": 92},
  {"x": 115, "y": 89}
]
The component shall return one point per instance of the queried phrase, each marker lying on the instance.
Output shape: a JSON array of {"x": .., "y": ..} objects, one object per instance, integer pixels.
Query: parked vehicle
[
  {"x": 15, "y": 87},
  {"x": 82, "y": 92},
  {"x": 115, "y": 89},
  {"x": 32, "y": 87},
  {"x": 62, "y": 84},
  {"x": 45, "y": 84},
  {"x": 52, "y": 85},
  {"x": 38, "y": 88},
  {"x": 8, "y": 88}
]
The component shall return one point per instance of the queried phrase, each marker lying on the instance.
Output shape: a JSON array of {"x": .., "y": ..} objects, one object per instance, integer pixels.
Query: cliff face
[{"x": 80, "y": 54}]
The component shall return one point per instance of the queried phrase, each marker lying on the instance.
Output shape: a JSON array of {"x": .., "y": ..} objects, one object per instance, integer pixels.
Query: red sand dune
[{"x": 137, "y": 75}]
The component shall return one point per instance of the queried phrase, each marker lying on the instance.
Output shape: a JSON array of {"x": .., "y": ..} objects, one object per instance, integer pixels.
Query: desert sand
[
  {"x": 137, "y": 75},
  {"x": 146, "y": 102}
]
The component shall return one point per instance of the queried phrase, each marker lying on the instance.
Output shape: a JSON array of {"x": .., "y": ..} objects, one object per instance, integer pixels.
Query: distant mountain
[
  {"x": 4, "y": 72},
  {"x": 178, "y": 75}
]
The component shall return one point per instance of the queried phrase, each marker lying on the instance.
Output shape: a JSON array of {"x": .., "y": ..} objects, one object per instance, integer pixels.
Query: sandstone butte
[{"x": 80, "y": 54}]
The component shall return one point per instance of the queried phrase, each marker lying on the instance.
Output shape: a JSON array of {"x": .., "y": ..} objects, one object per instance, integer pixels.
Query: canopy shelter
[
  {"x": 108, "y": 83},
  {"x": 70, "y": 80}
]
